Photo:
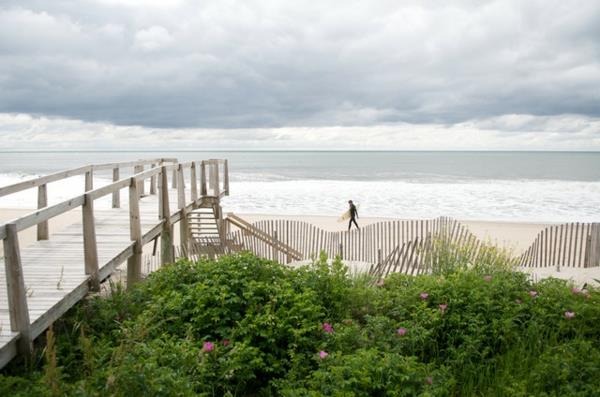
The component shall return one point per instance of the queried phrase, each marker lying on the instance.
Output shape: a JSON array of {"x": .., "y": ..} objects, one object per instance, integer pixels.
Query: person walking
[{"x": 353, "y": 215}]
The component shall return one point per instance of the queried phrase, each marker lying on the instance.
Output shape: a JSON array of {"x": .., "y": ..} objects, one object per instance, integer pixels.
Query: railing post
[
  {"x": 183, "y": 223},
  {"x": 89, "y": 180},
  {"x": 226, "y": 177},
  {"x": 17, "y": 296},
  {"x": 166, "y": 235},
  {"x": 203, "y": 179},
  {"x": 134, "y": 262},
  {"x": 153, "y": 181},
  {"x": 141, "y": 184},
  {"x": 174, "y": 179},
  {"x": 341, "y": 251},
  {"x": 42, "y": 227},
  {"x": 213, "y": 177},
  {"x": 116, "y": 196},
  {"x": 90, "y": 247},
  {"x": 193, "y": 183}
]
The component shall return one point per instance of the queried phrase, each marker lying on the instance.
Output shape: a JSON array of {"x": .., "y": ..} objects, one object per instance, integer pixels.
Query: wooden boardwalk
[{"x": 40, "y": 282}]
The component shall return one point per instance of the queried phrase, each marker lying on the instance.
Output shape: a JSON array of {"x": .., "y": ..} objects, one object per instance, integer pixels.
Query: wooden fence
[
  {"x": 394, "y": 244},
  {"x": 414, "y": 246},
  {"x": 566, "y": 245}
]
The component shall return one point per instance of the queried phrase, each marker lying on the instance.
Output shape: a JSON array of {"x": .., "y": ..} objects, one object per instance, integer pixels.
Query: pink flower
[
  {"x": 401, "y": 331},
  {"x": 487, "y": 278},
  {"x": 226, "y": 342},
  {"x": 429, "y": 380},
  {"x": 533, "y": 293},
  {"x": 443, "y": 307},
  {"x": 575, "y": 290},
  {"x": 423, "y": 295},
  {"x": 323, "y": 354},
  {"x": 327, "y": 328},
  {"x": 518, "y": 301},
  {"x": 208, "y": 347},
  {"x": 569, "y": 315}
]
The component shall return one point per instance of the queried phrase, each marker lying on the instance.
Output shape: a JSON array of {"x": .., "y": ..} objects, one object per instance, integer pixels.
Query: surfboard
[{"x": 346, "y": 215}]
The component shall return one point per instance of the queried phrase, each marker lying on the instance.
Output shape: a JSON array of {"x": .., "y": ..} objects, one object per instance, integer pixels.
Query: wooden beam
[
  {"x": 166, "y": 236},
  {"x": 116, "y": 196},
  {"x": 36, "y": 217},
  {"x": 203, "y": 178},
  {"x": 17, "y": 295},
  {"x": 226, "y": 177},
  {"x": 215, "y": 176},
  {"x": 141, "y": 183},
  {"x": 17, "y": 187},
  {"x": 42, "y": 227},
  {"x": 153, "y": 181},
  {"x": 184, "y": 229},
  {"x": 89, "y": 180},
  {"x": 90, "y": 246},
  {"x": 193, "y": 183},
  {"x": 174, "y": 179},
  {"x": 134, "y": 262}
]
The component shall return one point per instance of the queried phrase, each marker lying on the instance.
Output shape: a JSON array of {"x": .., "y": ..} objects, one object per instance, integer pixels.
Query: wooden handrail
[
  {"x": 43, "y": 180},
  {"x": 272, "y": 241}
]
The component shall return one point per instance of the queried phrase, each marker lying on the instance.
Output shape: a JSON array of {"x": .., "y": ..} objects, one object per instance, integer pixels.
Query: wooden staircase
[{"x": 204, "y": 225}]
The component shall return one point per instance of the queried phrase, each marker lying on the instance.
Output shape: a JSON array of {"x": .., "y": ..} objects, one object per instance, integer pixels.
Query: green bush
[{"x": 247, "y": 326}]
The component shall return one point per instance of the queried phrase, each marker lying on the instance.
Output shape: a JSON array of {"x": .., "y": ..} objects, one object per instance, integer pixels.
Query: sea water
[{"x": 509, "y": 186}]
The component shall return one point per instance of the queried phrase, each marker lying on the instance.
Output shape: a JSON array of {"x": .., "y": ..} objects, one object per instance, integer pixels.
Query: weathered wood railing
[{"x": 213, "y": 184}]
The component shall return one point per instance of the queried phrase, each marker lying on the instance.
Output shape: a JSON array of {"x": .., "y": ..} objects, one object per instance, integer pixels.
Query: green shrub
[{"x": 247, "y": 326}]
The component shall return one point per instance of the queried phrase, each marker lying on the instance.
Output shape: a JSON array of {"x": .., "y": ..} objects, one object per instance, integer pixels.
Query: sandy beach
[{"x": 514, "y": 236}]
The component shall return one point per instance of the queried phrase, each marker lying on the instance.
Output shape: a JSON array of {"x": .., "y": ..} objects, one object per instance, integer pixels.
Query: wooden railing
[
  {"x": 272, "y": 240},
  {"x": 213, "y": 183}
]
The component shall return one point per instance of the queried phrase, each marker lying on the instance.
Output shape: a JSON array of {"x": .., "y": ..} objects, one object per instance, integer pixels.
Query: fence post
[
  {"x": 174, "y": 179},
  {"x": 203, "y": 178},
  {"x": 166, "y": 235},
  {"x": 89, "y": 180},
  {"x": 17, "y": 295},
  {"x": 90, "y": 247},
  {"x": 141, "y": 184},
  {"x": 193, "y": 184},
  {"x": 594, "y": 255},
  {"x": 275, "y": 253},
  {"x": 153, "y": 181},
  {"x": 184, "y": 229},
  {"x": 217, "y": 179},
  {"x": 226, "y": 177},
  {"x": 116, "y": 196},
  {"x": 42, "y": 227},
  {"x": 134, "y": 262},
  {"x": 341, "y": 251}
]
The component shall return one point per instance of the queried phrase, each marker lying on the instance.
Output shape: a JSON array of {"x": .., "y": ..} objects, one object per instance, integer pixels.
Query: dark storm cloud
[{"x": 215, "y": 64}]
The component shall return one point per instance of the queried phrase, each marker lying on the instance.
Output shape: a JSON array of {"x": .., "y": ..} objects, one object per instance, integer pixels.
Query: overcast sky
[{"x": 472, "y": 74}]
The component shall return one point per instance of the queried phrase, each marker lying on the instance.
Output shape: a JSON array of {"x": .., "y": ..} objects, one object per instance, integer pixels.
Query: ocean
[{"x": 499, "y": 186}]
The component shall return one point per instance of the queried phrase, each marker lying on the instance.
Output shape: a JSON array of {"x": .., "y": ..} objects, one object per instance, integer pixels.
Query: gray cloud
[{"x": 263, "y": 64}]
